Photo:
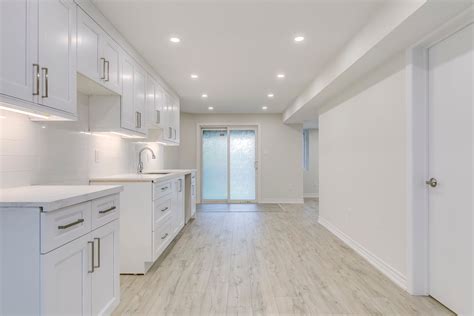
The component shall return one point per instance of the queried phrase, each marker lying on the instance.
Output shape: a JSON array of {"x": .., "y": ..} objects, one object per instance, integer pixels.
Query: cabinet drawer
[
  {"x": 105, "y": 210},
  {"x": 161, "y": 208},
  {"x": 162, "y": 189},
  {"x": 162, "y": 235},
  {"x": 63, "y": 225}
]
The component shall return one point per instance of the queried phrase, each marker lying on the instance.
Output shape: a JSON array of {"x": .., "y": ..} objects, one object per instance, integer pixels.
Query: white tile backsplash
[{"x": 61, "y": 153}]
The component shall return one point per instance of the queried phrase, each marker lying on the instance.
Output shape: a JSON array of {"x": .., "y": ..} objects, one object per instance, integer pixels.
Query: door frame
[
  {"x": 199, "y": 127},
  {"x": 417, "y": 152}
]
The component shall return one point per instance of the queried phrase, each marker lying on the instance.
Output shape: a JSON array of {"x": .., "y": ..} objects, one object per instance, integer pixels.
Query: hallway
[{"x": 264, "y": 259}]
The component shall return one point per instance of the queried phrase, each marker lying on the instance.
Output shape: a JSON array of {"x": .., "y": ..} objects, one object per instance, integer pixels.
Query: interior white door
[
  {"x": 57, "y": 54},
  {"x": 105, "y": 279},
  {"x": 66, "y": 279},
  {"x": 450, "y": 163},
  {"x": 18, "y": 58}
]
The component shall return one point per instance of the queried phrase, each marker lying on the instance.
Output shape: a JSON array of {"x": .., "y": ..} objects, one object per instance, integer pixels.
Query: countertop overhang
[{"x": 53, "y": 197}]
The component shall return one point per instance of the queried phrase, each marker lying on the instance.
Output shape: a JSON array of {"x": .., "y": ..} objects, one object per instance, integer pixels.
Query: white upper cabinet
[
  {"x": 152, "y": 103},
  {"x": 88, "y": 47},
  {"x": 128, "y": 119},
  {"x": 110, "y": 57},
  {"x": 57, "y": 54},
  {"x": 19, "y": 49},
  {"x": 38, "y": 55},
  {"x": 139, "y": 76},
  {"x": 98, "y": 56}
]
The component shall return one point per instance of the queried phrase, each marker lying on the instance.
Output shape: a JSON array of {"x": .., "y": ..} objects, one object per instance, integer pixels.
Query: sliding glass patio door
[{"x": 229, "y": 164}]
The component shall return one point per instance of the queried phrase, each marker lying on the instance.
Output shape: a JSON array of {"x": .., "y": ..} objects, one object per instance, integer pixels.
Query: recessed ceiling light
[
  {"x": 210, "y": 108},
  {"x": 281, "y": 76},
  {"x": 299, "y": 38},
  {"x": 175, "y": 39},
  {"x": 264, "y": 107},
  {"x": 270, "y": 95},
  {"x": 204, "y": 95},
  {"x": 194, "y": 76}
]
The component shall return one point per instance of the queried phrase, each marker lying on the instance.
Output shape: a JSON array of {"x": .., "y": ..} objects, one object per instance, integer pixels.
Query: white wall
[
  {"x": 363, "y": 167},
  {"x": 281, "y": 150},
  {"x": 60, "y": 154},
  {"x": 311, "y": 176}
]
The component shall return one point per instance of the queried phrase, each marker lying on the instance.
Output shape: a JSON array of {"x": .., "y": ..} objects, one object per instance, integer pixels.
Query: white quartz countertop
[
  {"x": 53, "y": 197},
  {"x": 144, "y": 177}
]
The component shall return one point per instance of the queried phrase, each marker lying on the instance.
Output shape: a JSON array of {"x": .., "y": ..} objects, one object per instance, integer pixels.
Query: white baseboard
[
  {"x": 311, "y": 195},
  {"x": 393, "y": 274},
  {"x": 282, "y": 201}
]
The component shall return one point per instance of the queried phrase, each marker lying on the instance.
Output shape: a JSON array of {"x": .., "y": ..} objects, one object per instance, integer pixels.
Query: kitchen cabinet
[
  {"x": 59, "y": 263},
  {"x": 154, "y": 97},
  {"x": 139, "y": 76},
  {"x": 38, "y": 61},
  {"x": 98, "y": 56},
  {"x": 152, "y": 214}
]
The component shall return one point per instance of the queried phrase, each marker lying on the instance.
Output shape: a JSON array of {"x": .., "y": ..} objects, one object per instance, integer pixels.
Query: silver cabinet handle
[
  {"x": 170, "y": 132},
  {"x": 136, "y": 120},
  {"x": 432, "y": 182},
  {"x": 164, "y": 188},
  {"x": 98, "y": 253},
  {"x": 36, "y": 79},
  {"x": 180, "y": 185},
  {"x": 165, "y": 209},
  {"x": 175, "y": 134},
  {"x": 92, "y": 256},
  {"x": 45, "y": 76},
  {"x": 164, "y": 236},
  {"x": 158, "y": 117},
  {"x": 80, "y": 220},
  {"x": 108, "y": 70},
  {"x": 107, "y": 210},
  {"x": 103, "y": 68}
]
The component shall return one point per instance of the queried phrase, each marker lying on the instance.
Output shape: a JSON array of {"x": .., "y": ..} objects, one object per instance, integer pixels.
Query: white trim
[
  {"x": 393, "y": 274},
  {"x": 282, "y": 201},
  {"x": 311, "y": 195},
  {"x": 417, "y": 153}
]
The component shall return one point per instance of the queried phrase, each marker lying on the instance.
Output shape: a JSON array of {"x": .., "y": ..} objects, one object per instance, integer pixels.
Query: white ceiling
[{"x": 237, "y": 47}]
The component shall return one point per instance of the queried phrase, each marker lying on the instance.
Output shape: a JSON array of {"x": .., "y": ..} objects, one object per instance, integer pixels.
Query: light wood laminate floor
[{"x": 264, "y": 260}]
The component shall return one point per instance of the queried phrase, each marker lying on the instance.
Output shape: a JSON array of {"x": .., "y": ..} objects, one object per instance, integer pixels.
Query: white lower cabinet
[
  {"x": 81, "y": 277},
  {"x": 72, "y": 268},
  {"x": 151, "y": 215},
  {"x": 105, "y": 285}
]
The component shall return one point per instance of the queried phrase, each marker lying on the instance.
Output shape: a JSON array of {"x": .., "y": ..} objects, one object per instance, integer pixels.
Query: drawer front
[
  {"x": 64, "y": 225},
  {"x": 105, "y": 210},
  {"x": 162, "y": 235},
  {"x": 161, "y": 208},
  {"x": 162, "y": 189}
]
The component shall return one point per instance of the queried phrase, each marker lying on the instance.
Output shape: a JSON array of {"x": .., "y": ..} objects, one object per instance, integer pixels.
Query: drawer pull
[
  {"x": 92, "y": 257},
  {"x": 164, "y": 188},
  {"x": 107, "y": 210},
  {"x": 165, "y": 209},
  {"x": 71, "y": 224},
  {"x": 164, "y": 236},
  {"x": 98, "y": 253}
]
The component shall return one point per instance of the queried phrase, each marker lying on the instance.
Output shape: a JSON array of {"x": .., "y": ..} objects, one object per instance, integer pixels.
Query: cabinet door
[
  {"x": 57, "y": 54},
  {"x": 127, "y": 110},
  {"x": 111, "y": 55},
  {"x": 167, "y": 129},
  {"x": 177, "y": 117},
  {"x": 139, "y": 76},
  {"x": 152, "y": 113},
  {"x": 159, "y": 104},
  {"x": 89, "y": 62},
  {"x": 66, "y": 279},
  {"x": 105, "y": 279},
  {"x": 18, "y": 50}
]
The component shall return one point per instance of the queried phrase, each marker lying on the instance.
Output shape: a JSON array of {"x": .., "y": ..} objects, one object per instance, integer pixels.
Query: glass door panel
[
  {"x": 214, "y": 164},
  {"x": 242, "y": 165}
]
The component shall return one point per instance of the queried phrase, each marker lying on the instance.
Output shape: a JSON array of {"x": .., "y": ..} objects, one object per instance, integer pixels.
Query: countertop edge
[{"x": 58, "y": 204}]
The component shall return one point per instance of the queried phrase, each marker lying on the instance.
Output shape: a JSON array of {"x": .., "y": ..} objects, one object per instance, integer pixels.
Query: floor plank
[{"x": 265, "y": 259}]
